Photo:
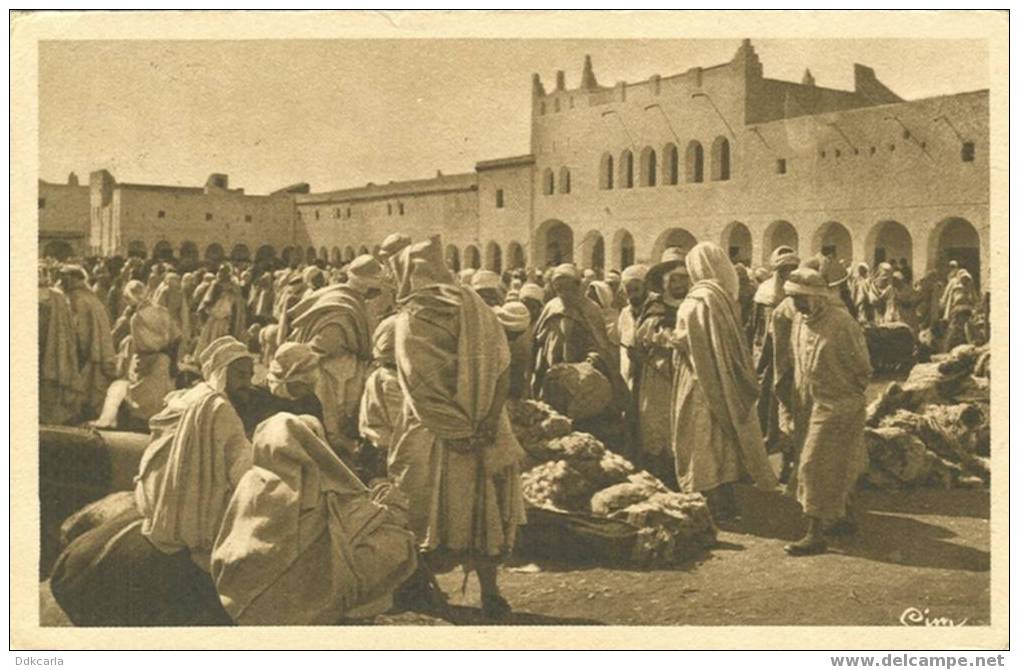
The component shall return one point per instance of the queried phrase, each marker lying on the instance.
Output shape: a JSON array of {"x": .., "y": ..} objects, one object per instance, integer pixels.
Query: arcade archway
[
  {"x": 889, "y": 240},
  {"x": 832, "y": 238},
  {"x": 738, "y": 243},
  {"x": 493, "y": 257},
  {"x": 553, "y": 244},
  {"x": 673, "y": 237},
  {"x": 955, "y": 239},
  {"x": 780, "y": 234}
]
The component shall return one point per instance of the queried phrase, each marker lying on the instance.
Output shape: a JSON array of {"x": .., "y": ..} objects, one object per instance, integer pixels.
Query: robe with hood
[
  {"x": 335, "y": 323},
  {"x": 303, "y": 541},
  {"x": 96, "y": 355},
  {"x": 464, "y": 486},
  {"x": 716, "y": 432},
  {"x": 61, "y": 389},
  {"x": 653, "y": 345},
  {"x": 197, "y": 456}
]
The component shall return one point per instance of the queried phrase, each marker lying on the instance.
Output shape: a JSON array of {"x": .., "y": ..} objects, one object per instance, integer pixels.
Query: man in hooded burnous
[
  {"x": 454, "y": 453},
  {"x": 96, "y": 355},
  {"x": 61, "y": 390},
  {"x": 570, "y": 328},
  {"x": 771, "y": 325},
  {"x": 832, "y": 369},
  {"x": 223, "y": 309},
  {"x": 716, "y": 434},
  {"x": 150, "y": 565},
  {"x": 668, "y": 282},
  {"x": 335, "y": 322}
]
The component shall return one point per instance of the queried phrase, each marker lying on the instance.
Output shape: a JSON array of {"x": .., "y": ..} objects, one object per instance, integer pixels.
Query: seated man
[
  {"x": 290, "y": 387},
  {"x": 147, "y": 363},
  {"x": 303, "y": 541},
  {"x": 149, "y": 565}
]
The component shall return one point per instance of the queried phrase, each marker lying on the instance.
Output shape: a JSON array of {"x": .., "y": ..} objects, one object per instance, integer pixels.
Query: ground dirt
[{"x": 925, "y": 549}]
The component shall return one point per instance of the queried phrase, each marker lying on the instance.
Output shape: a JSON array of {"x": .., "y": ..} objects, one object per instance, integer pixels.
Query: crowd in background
[{"x": 394, "y": 366}]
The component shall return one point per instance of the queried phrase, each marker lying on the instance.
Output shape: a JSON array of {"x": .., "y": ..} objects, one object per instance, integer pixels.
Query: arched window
[
  {"x": 720, "y": 159},
  {"x": 648, "y": 167},
  {"x": 548, "y": 182},
  {"x": 694, "y": 162},
  {"x": 605, "y": 176},
  {"x": 564, "y": 180},
  {"x": 626, "y": 169},
  {"x": 670, "y": 164}
]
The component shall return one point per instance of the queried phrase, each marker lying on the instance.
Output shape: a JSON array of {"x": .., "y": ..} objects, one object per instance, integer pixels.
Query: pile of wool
[
  {"x": 575, "y": 474},
  {"x": 534, "y": 422},
  {"x": 934, "y": 428}
]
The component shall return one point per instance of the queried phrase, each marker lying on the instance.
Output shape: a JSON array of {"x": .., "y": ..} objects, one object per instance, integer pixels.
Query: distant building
[
  {"x": 617, "y": 173},
  {"x": 193, "y": 224},
  {"x": 63, "y": 218}
]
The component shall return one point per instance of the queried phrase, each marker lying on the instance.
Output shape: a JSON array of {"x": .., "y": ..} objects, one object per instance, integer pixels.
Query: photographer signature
[{"x": 914, "y": 616}]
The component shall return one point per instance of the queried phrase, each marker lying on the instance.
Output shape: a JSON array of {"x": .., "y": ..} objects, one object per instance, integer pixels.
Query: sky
[{"x": 341, "y": 113}]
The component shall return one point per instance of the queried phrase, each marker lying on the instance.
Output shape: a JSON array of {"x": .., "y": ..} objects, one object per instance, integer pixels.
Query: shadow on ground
[{"x": 884, "y": 534}]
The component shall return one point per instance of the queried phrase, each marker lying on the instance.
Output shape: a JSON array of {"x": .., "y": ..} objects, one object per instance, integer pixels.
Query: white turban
[
  {"x": 486, "y": 279},
  {"x": 217, "y": 356},
  {"x": 293, "y": 362},
  {"x": 532, "y": 291},
  {"x": 634, "y": 273},
  {"x": 513, "y": 316}
]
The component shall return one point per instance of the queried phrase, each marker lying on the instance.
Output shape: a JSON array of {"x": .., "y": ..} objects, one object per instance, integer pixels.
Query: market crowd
[{"x": 366, "y": 403}]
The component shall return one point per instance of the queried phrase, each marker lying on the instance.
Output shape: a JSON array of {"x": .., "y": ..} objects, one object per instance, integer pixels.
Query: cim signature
[{"x": 914, "y": 616}]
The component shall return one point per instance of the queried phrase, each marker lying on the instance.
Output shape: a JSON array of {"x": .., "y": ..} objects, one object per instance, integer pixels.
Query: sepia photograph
[{"x": 358, "y": 322}]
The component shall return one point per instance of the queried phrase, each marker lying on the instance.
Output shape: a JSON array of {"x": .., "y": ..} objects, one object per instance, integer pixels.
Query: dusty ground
[{"x": 923, "y": 549}]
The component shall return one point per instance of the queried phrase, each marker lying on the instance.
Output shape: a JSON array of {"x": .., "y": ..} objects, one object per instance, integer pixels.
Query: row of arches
[
  {"x": 951, "y": 239},
  {"x": 663, "y": 168},
  {"x": 493, "y": 258}
]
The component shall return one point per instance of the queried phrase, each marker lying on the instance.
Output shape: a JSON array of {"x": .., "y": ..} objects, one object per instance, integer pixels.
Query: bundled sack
[
  {"x": 534, "y": 422},
  {"x": 950, "y": 432},
  {"x": 111, "y": 575},
  {"x": 942, "y": 445},
  {"x": 578, "y": 390},
  {"x": 302, "y": 541},
  {"x": 95, "y": 514},
  {"x": 949, "y": 379},
  {"x": 891, "y": 346}
]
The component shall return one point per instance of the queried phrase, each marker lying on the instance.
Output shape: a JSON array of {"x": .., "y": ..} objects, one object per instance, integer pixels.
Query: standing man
[
  {"x": 772, "y": 325},
  {"x": 60, "y": 384},
  {"x": 831, "y": 368},
  {"x": 635, "y": 293},
  {"x": 716, "y": 435},
  {"x": 223, "y": 309},
  {"x": 337, "y": 326},
  {"x": 96, "y": 356},
  {"x": 570, "y": 327},
  {"x": 455, "y": 455},
  {"x": 668, "y": 282}
]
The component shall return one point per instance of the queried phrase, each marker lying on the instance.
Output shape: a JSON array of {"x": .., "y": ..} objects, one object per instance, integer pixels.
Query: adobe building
[
  {"x": 616, "y": 173},
  {"x": 211, "y": 222},
  {"x": 63, "y": 218}
]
